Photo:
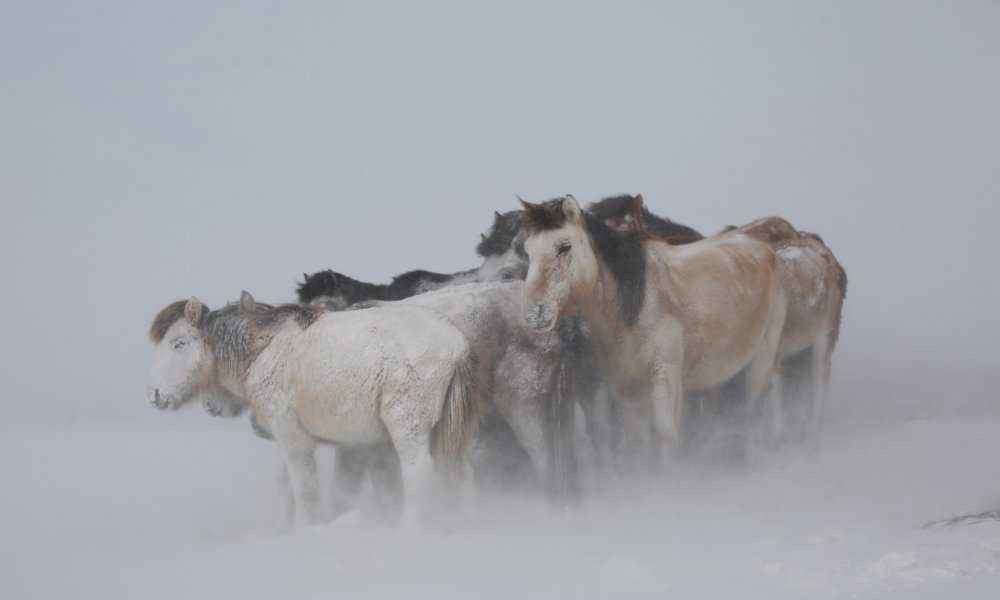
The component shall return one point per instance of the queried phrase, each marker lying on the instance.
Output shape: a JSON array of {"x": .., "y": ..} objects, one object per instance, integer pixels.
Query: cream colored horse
[
  {"x": 665, "y": 319},
  {"x": 394, "y": 375},
  {"x": 813, "y": 282}
]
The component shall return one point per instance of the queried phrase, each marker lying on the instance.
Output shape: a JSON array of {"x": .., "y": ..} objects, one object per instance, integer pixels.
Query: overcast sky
[{"x": 150, "y": 151}]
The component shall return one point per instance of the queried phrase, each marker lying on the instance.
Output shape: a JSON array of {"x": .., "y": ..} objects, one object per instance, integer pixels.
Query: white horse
[{"x": 398, "y": 375}]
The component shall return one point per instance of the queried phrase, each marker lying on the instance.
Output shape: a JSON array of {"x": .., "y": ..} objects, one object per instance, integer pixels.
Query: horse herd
[{"x": 644, "y": 325}]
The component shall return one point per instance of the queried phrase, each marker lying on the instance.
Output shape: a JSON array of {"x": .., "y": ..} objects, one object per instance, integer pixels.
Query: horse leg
[
  {"x": 596, "y": 409},
  {"x": 386, "y": 484},
  {"x": 348, "y": 477},
  {"x": 418, "y": 473},
  {"x": 411, "y": 437},
  {"x": 300, "y": 457},
  {"x": 666, "y": 399},
  {"x": 286, "y": 499},
  {"x": 820, "y": 388},
  {"x": 764, "y": 372},
  {"x": 636, "y": 432}
]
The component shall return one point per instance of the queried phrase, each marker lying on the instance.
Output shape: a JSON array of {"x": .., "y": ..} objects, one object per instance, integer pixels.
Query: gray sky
[{"x": 151, "y": 151}]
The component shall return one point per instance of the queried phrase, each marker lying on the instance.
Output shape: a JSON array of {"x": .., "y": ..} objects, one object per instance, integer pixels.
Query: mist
[{"x": 154, "y": 152}]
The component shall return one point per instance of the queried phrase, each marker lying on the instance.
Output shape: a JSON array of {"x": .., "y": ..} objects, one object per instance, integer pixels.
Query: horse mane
[
  {"x": 237, "y": 335},
  {"x": 269, "y": 315},
  {"x": 407, "y": 284},
  {"x": 622, "y": 253},
  {"x": 672, "y": 232},
  {"x": 502, "y": 234},
  {"x": 165, "y": 319},
  {"x": 404, "y": 285},
  {"x": 331, "y": 283}
]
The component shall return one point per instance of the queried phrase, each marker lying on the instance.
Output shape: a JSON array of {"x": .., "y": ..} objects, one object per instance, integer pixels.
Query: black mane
[
  {"x": 333, "y": 284},
  {"x": 624, "y": 255},
  {"x": 618, "y": 206},
  {"x": 504, "y": 232},
  {"x": 621, "y": 253}
]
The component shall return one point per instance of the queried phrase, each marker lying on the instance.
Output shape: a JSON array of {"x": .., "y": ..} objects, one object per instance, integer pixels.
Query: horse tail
[
  {"x": 842, "y": 285},
  {"x": 459, "y": 417}
]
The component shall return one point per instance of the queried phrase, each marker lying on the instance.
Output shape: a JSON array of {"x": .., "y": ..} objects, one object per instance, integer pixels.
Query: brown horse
[{"x": 666, "y": 319}]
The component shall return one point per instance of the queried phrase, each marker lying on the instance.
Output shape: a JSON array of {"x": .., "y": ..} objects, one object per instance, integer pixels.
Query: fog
[{"x": 151, "y": 152}]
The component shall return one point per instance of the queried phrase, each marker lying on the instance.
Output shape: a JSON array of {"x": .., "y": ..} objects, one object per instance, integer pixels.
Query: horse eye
[
  {"x": 178, "y": 344},
  {"x": 563, "y": 248}
]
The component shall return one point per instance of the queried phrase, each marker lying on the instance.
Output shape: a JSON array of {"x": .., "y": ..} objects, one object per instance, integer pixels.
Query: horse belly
[
  {"x": 347, "y": 423},
  {"x": 726, "y": 341},
  {"x": 338, "y": 402}
]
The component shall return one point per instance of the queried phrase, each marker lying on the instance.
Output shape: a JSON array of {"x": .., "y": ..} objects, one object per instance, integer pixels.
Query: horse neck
[
  {"x": 235, "y": 350},
  {"x": 462, "y": 277},
  {"x": 600, "y": 308}
]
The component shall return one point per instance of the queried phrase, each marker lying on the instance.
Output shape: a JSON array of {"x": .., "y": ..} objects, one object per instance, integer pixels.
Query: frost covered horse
[
  {"x": 503, "y": 260},
  {"x": 815, "y": 285},
  {"x": 391, "y": 375},
  {"x": 665, "y": 319},
  {"x": 520, "y": 372}
]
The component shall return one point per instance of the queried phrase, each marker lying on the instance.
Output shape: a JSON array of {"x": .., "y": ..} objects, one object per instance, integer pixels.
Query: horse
[
  {"x": 398, "y": 376},
  {"x": 522, "y": 374},
  {"x": 665, "y": 319},
  {"x": 814, "y": 284}
]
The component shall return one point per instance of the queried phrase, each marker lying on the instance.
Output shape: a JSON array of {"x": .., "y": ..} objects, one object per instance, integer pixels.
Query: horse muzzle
[{"x": 161, "y": 401}]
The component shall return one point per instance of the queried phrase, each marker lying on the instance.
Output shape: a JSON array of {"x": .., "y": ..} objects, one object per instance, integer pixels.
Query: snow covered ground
[{"x": 178, "y": 507}]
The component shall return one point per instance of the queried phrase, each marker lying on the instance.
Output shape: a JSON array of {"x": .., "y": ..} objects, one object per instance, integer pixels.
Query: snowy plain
[{"x": 181, "y": 506}]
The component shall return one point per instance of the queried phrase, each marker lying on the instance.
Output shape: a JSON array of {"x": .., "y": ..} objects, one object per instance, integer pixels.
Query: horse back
[
  {"x": 724, "y": 293},
  {"x": 336, "y": 373}
]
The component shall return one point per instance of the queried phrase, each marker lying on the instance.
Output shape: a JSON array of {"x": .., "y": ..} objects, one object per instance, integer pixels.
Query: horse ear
[
  {"x": 638, "y": 222},
  {"x": 247, "y": 303},
  {"x": 497, "y": 216},
  {"x": 571, "y": 208},
  {"x": 194, "y": 310}
]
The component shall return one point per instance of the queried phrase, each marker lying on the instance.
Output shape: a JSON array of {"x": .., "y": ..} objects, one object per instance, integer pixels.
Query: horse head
[
  {"x": 183, "y": 362},
  {"x": 562, "y": 265},
  {"x": 502, "y": 249},
  {"x": 623, "y": 213}
]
